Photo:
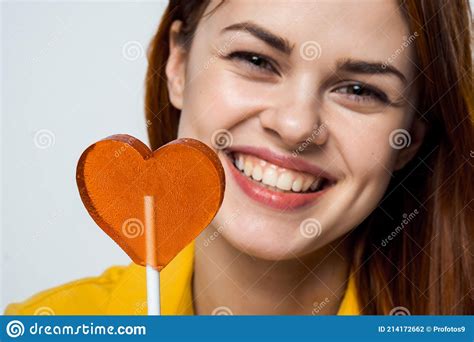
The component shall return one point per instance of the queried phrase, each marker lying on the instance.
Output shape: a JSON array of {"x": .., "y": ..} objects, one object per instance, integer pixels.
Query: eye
[
  {"x": 255, "y": 61},
  {"x": 359, "y": 92}
]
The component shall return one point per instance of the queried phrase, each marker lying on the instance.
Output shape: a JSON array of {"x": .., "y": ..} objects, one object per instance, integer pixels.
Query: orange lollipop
[{"x": 152, "y": 204}]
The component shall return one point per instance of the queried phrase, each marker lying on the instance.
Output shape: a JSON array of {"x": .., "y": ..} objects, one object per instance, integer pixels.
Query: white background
[{"x": 63, "y": 69}]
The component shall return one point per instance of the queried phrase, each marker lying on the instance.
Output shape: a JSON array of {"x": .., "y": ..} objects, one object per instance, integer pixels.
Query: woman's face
[{"x": 310, "y": 97}]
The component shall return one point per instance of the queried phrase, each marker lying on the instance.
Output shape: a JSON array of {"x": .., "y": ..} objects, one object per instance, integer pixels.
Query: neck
[{"x": 227, "y": 278}]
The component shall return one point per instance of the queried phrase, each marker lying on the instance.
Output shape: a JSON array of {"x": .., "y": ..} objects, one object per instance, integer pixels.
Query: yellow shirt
[{"x": 121, "y": 290}]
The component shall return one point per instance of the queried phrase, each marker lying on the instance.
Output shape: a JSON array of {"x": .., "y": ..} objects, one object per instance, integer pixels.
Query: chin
[{"x": 268, "y": 241}]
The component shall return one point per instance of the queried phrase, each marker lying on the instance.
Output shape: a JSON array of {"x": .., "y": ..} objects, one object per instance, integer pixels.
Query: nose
[{"x": 295, "y": 118}]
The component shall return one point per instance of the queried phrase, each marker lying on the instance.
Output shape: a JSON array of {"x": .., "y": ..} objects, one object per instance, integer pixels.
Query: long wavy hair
[{"x": 426, "y": 265}]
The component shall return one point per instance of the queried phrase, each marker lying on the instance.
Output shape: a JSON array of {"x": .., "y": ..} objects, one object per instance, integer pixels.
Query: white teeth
[
  {"x": 315, "y": 185},
  {"x": 284, "y": 181},
  {"x": 239, "y": 162},
  {"x": 269, "y": 176},
  {"x": 297, "y": 185},
  {"x": 257, "y": 173},
  {"x": 248, "y": 168},
  {"x": 307, "y": 183}
]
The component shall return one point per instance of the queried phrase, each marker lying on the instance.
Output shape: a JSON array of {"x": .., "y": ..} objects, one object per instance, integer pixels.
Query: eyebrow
[
  {"x": 279, "y": 43},
  {"x": 283, "y": 45},
  {"x": 370, "y": 68}
]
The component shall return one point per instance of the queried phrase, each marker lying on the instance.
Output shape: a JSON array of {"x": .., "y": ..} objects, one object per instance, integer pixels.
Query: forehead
[{"x": 367, "y": 29}]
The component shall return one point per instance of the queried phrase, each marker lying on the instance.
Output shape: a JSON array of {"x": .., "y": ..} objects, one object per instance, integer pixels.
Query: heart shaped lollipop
[{"x": 152, "y": 204}]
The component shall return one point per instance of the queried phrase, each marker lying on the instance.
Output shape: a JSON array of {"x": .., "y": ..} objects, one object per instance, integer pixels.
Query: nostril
[{"x": 272, "y": 132}]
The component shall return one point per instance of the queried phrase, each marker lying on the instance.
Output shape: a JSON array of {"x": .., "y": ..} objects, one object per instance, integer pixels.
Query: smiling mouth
[{"x": 277, "y": 178}]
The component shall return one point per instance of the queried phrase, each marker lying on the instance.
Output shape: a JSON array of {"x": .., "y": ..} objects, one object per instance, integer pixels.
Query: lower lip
[{"x": 274, "y": 199}]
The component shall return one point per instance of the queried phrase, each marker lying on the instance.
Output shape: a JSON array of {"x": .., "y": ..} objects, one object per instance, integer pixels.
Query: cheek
[
  {"x": 216, "y": 99},
  {"x": 364, "y": 142}
]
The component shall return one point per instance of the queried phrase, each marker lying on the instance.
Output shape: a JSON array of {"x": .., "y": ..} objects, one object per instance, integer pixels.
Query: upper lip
[{"x": 285, "y": 161}]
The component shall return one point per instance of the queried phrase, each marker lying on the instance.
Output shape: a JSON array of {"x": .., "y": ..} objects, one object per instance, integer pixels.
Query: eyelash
[
  {"x": 248, "y": 56},
  {"x": 374, "y": 94}
]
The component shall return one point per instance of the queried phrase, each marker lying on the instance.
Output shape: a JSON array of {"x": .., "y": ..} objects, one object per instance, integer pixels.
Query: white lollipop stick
[
  {"x": 153, "y": 291},
  {"x": 152, "y": 275}
]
